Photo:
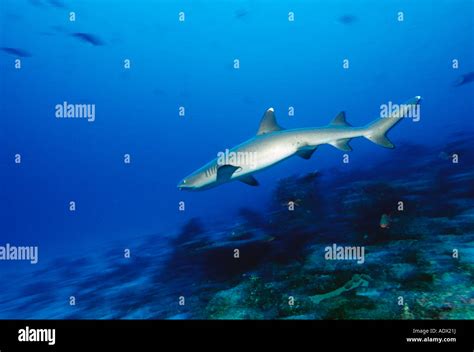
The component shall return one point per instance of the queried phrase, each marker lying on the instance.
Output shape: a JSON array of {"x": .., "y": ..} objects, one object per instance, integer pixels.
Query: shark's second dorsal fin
[
  {"x": 268, "y": 123},
  {"x": 340, "y": 120}
]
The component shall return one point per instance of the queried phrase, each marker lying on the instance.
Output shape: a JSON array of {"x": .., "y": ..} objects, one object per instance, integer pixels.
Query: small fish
[
  {"x": 16, "y": 52},
  {"x": 240, "y": 13},
  {"x": 347, "y": 19},
  {"x": 58, "y": 29},
  {"x": 57, "y": 3},
  {"x": 385, "y": 221},
  {"x": 36, "y": 3},
  {"x": 311, "y": 176},
  {"x": 159, "y": 92},
  {"x": 47, "y": 34},
  {"x": 464, "y": 79},
  {"x": 444, "y": 156},
  {"x": 88, "y": 38}
]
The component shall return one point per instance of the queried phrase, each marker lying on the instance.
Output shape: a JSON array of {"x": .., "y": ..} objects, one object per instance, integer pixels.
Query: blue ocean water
[{"x": 395, "y": 50}]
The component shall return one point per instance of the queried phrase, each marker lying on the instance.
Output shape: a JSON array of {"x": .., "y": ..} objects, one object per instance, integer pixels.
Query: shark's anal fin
[
  {"x": 249, "y": 179},
  {"x": 268, "y": 123},
  {"x": 340, "y": 120},
  {"x": 305, "y": 153},
  {"x": 342, "y": 144},
  {"x": 225, "y": 172}
]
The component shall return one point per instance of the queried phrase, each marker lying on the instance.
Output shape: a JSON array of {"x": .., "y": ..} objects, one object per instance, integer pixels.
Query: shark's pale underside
[{"x": 273, "y": 144}]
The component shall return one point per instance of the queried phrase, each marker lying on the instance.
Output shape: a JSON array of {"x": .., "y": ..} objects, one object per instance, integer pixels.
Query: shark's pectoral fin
[
  {"x": 225, "y": 172},
  {"x": 305, "y": 153},
  {"x": 249, "y": 179},
  {"x": 342, "y": 144}
]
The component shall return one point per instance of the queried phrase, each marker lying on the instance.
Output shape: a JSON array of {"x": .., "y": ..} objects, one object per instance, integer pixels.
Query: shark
[{"x": 273, "y": 144}]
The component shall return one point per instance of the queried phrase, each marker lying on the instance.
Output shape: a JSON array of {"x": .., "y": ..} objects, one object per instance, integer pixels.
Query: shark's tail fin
[{"x": 376, "y": 131}]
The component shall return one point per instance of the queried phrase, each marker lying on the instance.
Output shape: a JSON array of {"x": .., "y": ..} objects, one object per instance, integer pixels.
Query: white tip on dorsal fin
[
  {"x": 340, "y": 120},
  {"x": 268, "y": 123}
]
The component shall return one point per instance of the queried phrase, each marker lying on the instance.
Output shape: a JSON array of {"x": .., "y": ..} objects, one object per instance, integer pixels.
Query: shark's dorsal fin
[
  {"x": 340, "y": 120},
  {"x": 268, "y": 123}
]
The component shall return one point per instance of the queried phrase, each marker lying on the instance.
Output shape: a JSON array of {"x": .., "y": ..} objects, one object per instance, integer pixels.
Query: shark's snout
[
  {"x": 185, "y": 185},
  {"x": 181, "y": 185}
]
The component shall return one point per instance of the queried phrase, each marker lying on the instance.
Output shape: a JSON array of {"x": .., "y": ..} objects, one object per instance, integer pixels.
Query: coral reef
[{"x": 419, "y": 258}]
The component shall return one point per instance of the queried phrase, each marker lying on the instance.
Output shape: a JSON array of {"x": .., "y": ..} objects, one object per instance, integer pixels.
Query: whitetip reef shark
[{"x": 273, "y": 144}]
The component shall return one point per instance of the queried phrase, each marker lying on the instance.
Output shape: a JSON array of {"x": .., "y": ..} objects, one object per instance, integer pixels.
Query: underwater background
[{"x": 129, "y": 250}]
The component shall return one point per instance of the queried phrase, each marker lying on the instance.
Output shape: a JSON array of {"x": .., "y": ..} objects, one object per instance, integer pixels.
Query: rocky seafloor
[{"x": 419, "y": 259}]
